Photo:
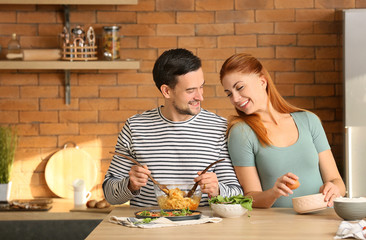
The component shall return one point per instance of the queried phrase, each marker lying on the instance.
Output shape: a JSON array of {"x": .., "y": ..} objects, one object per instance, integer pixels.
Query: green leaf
[
  {"x": 145, "y": 220},
  {"x": 145, "y": 213},
  {"x": 162, "y": 213}
]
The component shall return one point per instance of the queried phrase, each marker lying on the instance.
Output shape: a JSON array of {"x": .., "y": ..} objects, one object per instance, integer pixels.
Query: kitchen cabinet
[
  {"x": 70, "y": 65},
  {"x": 60, "y": 222}
]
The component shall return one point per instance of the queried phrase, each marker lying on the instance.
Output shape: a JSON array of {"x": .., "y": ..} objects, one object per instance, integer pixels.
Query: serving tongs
[
  {"x": 162, "y": 187},
  {"x": 190, "y": 193}
]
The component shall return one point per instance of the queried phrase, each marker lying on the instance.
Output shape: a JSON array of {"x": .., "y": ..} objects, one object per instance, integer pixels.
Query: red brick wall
[{"x": 299, "y": 41}]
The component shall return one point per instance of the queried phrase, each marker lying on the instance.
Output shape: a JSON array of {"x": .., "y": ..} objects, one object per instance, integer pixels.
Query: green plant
[{"x": 8, "y": 144}]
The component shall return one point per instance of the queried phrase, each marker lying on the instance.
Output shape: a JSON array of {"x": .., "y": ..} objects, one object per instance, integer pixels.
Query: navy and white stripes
[{"x": 173, "y": 151}]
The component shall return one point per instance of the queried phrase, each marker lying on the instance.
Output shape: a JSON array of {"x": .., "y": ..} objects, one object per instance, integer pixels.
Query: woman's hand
[
  {"x": 208, "y": 183},
  {"x": 330, "y": 191},
  {"x": 280, "y": 188},
  {"x": 138, "y": 177}
]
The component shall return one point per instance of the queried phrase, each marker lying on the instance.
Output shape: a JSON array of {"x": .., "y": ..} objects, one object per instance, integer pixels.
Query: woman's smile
[{"x": 243, "y": 104}]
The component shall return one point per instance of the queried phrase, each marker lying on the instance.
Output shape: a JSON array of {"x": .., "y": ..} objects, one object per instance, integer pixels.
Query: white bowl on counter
[
  {"x": 350, "y": 209},
  {"x": 228, "y": 210}
]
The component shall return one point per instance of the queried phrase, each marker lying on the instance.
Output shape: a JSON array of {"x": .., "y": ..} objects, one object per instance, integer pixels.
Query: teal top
[{"x": 301, "y": 158}]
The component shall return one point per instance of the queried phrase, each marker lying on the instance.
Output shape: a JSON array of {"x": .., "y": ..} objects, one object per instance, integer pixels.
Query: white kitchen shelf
[
  {"x": 71, "y": 2},
  {"x": 70, "y": 65}
]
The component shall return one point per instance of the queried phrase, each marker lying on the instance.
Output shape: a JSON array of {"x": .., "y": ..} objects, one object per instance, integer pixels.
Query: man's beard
[{"x": 186, "y": 111}]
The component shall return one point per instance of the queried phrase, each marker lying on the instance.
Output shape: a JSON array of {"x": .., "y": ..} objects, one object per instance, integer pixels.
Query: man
[{"x": 174, "y": 142}]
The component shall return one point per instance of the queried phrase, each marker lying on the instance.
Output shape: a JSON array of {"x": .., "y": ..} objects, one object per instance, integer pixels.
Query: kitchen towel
[
  {"x": 352, "y": 229},
  {"x": 160, "y": 222}
]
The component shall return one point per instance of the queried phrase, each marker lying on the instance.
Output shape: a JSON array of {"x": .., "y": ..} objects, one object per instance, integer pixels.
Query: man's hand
[
  {"x": 138, "y": 177},
  {"x": 208, "y": 183}
]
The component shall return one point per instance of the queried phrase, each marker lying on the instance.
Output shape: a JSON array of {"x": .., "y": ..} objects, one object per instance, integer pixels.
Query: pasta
[{"x": 176, "y": 200}]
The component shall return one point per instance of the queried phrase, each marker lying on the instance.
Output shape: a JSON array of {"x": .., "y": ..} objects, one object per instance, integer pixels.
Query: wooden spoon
[
  {"x": 162, "y": 187},
  {"x": 190, "y": 193}
]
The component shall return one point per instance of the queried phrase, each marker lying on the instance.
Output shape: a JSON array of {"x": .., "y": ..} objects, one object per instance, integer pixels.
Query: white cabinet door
[{"x": 355, "y": 100}]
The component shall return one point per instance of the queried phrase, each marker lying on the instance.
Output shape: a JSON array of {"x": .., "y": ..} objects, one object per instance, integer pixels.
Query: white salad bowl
[{"x": 228, "y": 210}]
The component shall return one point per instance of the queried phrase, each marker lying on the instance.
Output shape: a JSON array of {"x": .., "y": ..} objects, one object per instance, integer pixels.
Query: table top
[{"x": 273, "y": 223}]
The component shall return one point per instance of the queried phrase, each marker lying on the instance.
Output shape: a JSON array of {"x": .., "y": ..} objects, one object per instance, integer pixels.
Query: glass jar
[
  {"x": 111, "y": 42},
  {"x": 14, "y": 49},
  {"x": 14, "y": 45}
]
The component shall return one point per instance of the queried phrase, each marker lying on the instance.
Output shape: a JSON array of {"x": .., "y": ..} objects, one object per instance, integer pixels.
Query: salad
[
  {"x": 167, "y": 213},
  {"x": 245, "y": 202}
]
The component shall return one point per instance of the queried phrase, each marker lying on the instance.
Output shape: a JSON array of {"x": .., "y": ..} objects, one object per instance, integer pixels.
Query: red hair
[{"x": 247, "y": 64}]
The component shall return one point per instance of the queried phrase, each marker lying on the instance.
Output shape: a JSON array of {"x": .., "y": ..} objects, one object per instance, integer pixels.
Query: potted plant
[{"x": 8, "y": 143}]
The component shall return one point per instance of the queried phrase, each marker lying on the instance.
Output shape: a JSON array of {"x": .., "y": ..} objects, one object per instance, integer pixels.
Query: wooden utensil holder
[{"x": 74, "y": 53}]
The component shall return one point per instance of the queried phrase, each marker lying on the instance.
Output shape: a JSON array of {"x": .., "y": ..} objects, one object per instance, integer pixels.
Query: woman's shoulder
[
  {"x": 242, "y": 129},
  {"x": 240, "y": 126},
  {"x": 308, "y": 119},
  {"x": 306, "y": 115}
]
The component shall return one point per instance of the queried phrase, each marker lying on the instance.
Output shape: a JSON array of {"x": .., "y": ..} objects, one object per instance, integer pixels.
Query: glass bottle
[
  {"x": 14, "y": 45},
  {"x": 111, "y": 42}
]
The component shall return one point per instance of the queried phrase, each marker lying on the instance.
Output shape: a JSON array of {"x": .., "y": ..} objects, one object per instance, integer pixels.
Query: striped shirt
[{"x": 173, "y": 151}]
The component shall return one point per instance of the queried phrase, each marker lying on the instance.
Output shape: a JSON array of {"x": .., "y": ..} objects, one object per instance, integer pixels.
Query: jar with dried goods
[{"x": 111, "y": 42}]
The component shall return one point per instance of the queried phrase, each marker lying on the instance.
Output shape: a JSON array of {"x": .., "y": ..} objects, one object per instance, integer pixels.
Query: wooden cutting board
[{"x": 67, "y": 165}]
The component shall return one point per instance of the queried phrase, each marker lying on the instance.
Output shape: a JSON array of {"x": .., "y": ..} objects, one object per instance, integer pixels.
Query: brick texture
[{"x": 298, "y": 41}]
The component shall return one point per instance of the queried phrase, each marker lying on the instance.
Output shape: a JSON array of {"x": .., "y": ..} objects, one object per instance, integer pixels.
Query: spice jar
[{"x": 111, "y": 42}]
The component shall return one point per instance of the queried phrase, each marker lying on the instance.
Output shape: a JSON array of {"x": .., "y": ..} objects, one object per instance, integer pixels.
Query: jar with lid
[
  {"x": 111, "y": 42},
  {"x": 14, "y": 49}
]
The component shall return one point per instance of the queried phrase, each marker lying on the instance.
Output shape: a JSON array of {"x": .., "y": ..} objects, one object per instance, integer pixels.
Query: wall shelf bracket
[
  {"x": 67, "y": 87},
  {"x": 67, "y": 17}
]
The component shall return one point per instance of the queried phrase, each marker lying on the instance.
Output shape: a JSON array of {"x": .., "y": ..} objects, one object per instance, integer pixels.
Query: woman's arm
[
  {"x": 333, "y": 186},
  {"x": 250, "y": 182}
]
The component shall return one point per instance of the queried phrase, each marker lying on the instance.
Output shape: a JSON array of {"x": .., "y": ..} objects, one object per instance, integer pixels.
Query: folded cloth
[
  {"x": 160, "y": 222},
  {"x": 354, "y": 229}
]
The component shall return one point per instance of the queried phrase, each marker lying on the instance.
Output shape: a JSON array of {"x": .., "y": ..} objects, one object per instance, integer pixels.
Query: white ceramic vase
[{"x": 5, "y": 189}]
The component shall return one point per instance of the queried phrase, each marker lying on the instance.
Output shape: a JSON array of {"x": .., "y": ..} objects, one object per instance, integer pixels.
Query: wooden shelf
[
  {"x": 71, "y": 2},
  {"x": 67, "y": 65}
]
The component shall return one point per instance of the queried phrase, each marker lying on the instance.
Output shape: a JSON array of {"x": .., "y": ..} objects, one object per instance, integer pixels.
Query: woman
[{"x": 273, "y": 143}]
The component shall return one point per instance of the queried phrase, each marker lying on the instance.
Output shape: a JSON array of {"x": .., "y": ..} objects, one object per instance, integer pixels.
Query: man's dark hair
[{"x": 173, "y": 63}]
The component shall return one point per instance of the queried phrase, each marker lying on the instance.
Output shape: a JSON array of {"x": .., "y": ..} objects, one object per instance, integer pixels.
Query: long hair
[{"x": 247, "y": 64}]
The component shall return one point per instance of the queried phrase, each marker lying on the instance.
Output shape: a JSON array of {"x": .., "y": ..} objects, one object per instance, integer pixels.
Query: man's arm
[
  {"x": 115, "y": 184},
  {"x": 228, "y": 182}
]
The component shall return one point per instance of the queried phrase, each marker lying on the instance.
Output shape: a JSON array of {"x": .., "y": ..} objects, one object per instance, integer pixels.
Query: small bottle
[
  {"x": 14, "y": 49},
  {"x": 111, "y": 42}
]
